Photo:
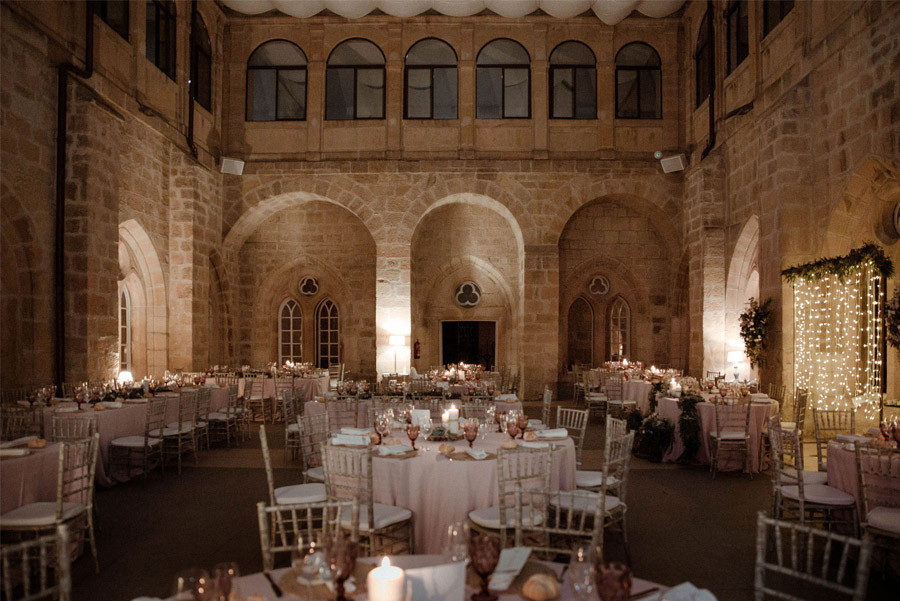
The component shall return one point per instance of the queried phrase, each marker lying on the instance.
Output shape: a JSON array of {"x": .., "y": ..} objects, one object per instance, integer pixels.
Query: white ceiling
[{"x": 608, "y": 11}]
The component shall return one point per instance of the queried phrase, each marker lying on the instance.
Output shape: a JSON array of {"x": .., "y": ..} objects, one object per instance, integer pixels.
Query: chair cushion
[
  {"x": 622, "y": 402},
  {"x": 885, "y": 518},
  {"x": 300, "y": 493},
  {"x": 134, "y": 442},
  {"x": 808, "y": 477},
  {"x": 589, "y": 479},
  {"x": 788, "y": 426},
  {"x": 218, "y": 417},
  {"x": 385, "y": 515},
  {"x": 170, "y": 431},
  {"x": 39, "y": 514},
  {"x": 235, "y": 410},
  {"x": 489, "y": 517},
  {"x": 586, "y": 502},
  {"x": 730, "y": 436},
  {"x": 315, "y": 473},
  {"x": 821, "y": 494},
  {"x": 295, "y": 427}
]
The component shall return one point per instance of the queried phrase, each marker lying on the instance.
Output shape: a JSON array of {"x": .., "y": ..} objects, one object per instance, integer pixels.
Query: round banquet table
[
  {"x": 439, "y": 491},
  {"x": 307, "y": 389},
  {"x": 759, "y": 414},
  {"x": 639, "y": 392},
  {"x": 30, "y": 478}
]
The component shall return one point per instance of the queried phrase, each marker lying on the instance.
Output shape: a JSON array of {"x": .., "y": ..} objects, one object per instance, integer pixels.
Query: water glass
[
  {"x": 307, "y": 557},
  {"x": 192, "y": 585},
  {"x": 581, "y": 571},
  {"x": 224, "y": 580},
  {"x": 457, "y": 548}
]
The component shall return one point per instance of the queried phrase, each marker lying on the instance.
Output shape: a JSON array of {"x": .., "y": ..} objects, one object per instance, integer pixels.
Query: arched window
[
  {"x": 124, "y": 330},
  {"x": 290, "y": 332},
  {"x": 774, "y": 12},
  {"x": 737, "y": 19},
  {"x": 276, "y": 82},
  {"x": 114, "y": 13},
  {"x": 503, "y": 81},
  {"x": 581, "y": 333},
  {"x": 638, "y": 88},
  {"x": 354, "y": 81},
  {"x": 619, "y": 330},
  {"x": 703, "y": 64},
  {"x": 161, "y": 35},
  {"x": 431, "y": 80},
  {"x": 573, "y": 82},
  {"x": 201, "y": 65},
  {"x": 328, "y": 334}
]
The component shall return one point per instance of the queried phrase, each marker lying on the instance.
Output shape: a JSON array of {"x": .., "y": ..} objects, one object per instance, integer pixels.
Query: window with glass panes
[
  {"x": 431, "y": 81},
  {"x": 161, "y": 35},
  {"x": 619, "y": 329},
  {"x": 354, "y": 82},
  {"x": 638, "y": 82},
  {"x": 503, "y": 81},
  {"x": 124, "y": 330},
  {"x": 201, "y": 65},
  {"x": 276, "y": 82},
  {"x": 703, "y": 62},
  {"x": 290, "y": 332},
  {"x": 328, "y": 334},
  {"x": 114, "y": 13},
  {"x": 573, "y": 82},
  {"x": 774, "y": 12},
  {"x": 737, "y": 20}
]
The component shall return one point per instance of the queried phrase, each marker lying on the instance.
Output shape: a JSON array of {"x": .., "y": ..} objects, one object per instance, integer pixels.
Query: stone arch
[
  {"x": 220, "y": 316},
  {"x": 145, "y": 262},
  {"x": 478, "y": 200},
  {"x": 742, "y": 282}
]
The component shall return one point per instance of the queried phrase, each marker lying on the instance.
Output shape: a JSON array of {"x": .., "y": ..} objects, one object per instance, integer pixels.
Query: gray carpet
[{"x": 682, "y": 525}]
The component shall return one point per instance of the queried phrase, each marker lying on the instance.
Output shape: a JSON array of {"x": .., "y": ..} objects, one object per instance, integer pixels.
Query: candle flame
[{"x": 385, "y": 563}]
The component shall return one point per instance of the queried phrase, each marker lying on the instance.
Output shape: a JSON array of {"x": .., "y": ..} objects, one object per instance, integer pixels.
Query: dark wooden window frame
[
  {"x": 783, "y": 8},
  {"x": 166, "y": 21},
  {"x": 704, "y": 50},
  {"x": 100, "y": 9},
  {"x": 198, "y": 49},
  {"x": 277, "y": 69},
  {"x": 573, "y": 68},
  {"x": 356, "y": 69},
  {"x": 503, "y": 79},
  {"x": 430, "y": 68},
  {"x": 733, "y": 35},
  {"x": 657, "y": 68}
]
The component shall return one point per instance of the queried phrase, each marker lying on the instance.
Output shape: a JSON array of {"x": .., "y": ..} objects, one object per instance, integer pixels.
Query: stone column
[
  {"x": 539, "y": 319},
  {"x": 392, "y": 305}
]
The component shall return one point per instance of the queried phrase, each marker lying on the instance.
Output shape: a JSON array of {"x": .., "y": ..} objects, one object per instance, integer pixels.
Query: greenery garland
[
  {"x": 654, "y": 437},
  {"x": 841, "y": 266},
  {"x": 892, "y": 320},
  {"x": 689, "y": 425},
  {"x": 754, "y": 327},
  {"x": 655, "y": 387}
]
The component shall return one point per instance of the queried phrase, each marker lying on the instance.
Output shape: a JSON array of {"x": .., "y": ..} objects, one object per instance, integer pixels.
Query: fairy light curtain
[{"x": 839, "y": 329}]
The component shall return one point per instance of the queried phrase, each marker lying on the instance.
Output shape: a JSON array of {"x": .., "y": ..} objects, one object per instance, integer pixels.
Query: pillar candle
[
  {"x": 386, "y": 583},
  {"x": 453, "y": 416}
]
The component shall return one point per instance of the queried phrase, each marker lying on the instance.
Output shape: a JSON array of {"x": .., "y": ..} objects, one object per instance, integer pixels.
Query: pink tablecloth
[
  {"x": 218, "y": 398},
  {"x": 759, "y": 413},
  {"x": 30, "y": 478},
  {"x": 307, "y": 389},
  {"x": 111, "y": 424},
  {"x": 319, "y": 407},
  {"x": 639, "y": 392},
  {"x": 439, "y": 491}
]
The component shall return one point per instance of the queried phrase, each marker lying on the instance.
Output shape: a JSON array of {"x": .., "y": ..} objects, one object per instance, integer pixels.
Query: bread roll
[
  {"x": 37, "y": 443},
  {"x": 541, "y": 587},
  {"x": 530, "y": 436},
  {"x": 99, "y": 407},
  {"x": 509, "y": 444}
]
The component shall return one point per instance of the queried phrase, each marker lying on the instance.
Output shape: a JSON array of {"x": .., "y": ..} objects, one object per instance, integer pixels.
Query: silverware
[{"x": 275, "y": 588}]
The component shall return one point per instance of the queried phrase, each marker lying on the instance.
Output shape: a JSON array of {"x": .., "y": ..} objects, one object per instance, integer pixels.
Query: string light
[{"x": 838, "y": 327}]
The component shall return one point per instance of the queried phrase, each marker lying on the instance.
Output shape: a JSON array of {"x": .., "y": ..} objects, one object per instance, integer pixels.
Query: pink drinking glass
[
  {"x": 471, "y": 431},
  {"x": 412, "y": 431}
]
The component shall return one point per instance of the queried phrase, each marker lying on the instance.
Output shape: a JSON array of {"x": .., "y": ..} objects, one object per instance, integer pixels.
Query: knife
[{"x": 275, "y": 588}]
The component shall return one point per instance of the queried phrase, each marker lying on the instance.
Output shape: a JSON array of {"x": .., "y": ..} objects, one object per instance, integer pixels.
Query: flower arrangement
[
  {"x": 654, "y": 437},
  {"x": 754, "y": 327},
  {"x": 689, "y": 426}
]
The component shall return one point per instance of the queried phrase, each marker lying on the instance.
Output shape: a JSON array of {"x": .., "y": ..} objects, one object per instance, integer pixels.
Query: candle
[
  {"x": 453, "y": 416},
  {"x": 386, "y": 583},
  {"x": 445, "y": 419}
]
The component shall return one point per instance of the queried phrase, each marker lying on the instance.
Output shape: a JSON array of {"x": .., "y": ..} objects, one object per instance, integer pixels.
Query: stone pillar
[
  {"x": 705, "y": 238},
  {"x": 392, "y": 305},
  {"x": 92, "y": 238},
  {"x": 539, "y": 319}
]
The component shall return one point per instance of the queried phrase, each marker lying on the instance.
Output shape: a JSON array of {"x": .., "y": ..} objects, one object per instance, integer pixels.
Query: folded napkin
[
  {"x": 534, "y": 422},
  {"x": 509, "y": 565},
  {"x": 19, "y": 442},
  {"x": 554, "y": 433},
  {"x": 66, "y": 409},
  {"x": 477, "y": 454},
  {"x": 687, "y": 592},
  {"x": 355, "y": 431},
  {"x": 758, "y": 395},
  {"x": 851, "y": 438},
  {"x": 533, "y": 445},
  {"x": 445, "y": 582},
  {"x": 394, "y": 449},
  {"x": 14, "y": 452},
  {"x": 349, "y": 441},
  {"x": 23, "y": 403},
  {"x": 507, "y": 397},
  {"x": 112, "y": 404}
]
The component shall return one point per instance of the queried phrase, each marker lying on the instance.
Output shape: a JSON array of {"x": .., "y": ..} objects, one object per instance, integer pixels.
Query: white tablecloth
[{"x": 29, "y": 479}]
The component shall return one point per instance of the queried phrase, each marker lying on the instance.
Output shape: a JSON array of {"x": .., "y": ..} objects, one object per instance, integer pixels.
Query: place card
[
  {"x": 509, "y": 565},
  {"x": 345, "y": 440}
]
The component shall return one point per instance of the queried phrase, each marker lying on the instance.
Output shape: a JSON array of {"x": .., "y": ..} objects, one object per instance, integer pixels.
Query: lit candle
[
  {"x": 453, "y": 416},
  {"x": 445, "y": 419},
  {"x": 386, "y": 583}
]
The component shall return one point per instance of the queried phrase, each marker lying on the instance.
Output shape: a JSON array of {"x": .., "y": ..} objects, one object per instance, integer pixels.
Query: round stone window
[
  {"x": 467, "y": 294},
  {"x": 599, "y": 286},
  {"x": 308, "y": 286}
]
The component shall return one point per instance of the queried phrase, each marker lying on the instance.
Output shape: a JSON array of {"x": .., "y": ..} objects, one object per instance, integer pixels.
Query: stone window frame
[
  {"x": 295, "y": 346},
  {"x": 125, "y": 354},
  {"x": 117, "y": 20},
  {"x": 504, "y": 68},
  {"x": 737, "y": 22},
  {"x": 640, "y": 69},
  {"x": 619, "y": 328},
  {"x": 329, "y": 357},
  {"x": 774, "y": 12},
  {"x": 278, "y": 69},
  {"x": 574, "y": 68},
  {"x": 201, "y": 64},
  {"x": 356, "y": 68},
  {"x": 703, "y": 61},
  {"x": 593, "y": 332},
  {"x": 165, "y": 35},
  {"x": 431, "y": 68}
]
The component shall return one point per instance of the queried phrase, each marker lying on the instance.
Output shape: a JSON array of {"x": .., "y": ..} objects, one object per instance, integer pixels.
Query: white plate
[{"x": 66, "y": 410}]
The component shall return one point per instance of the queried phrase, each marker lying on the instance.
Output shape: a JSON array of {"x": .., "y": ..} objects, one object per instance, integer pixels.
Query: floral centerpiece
[{"x": 754, "y": 327}]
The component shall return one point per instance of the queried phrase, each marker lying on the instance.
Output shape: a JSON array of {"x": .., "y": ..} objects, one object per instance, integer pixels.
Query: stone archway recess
[
  {"x": 149, "y": 270},
  {"x": 740, "y": 270}
]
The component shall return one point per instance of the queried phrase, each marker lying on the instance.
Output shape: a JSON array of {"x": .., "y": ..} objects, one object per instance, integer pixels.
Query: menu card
[{"x": 508, "y": 567}]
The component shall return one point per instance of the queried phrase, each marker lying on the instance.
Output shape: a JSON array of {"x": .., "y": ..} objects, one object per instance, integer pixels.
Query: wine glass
[
  {"x": 412, "y": 432},
  {"x": 471, "y": 431},
  {"x": 582, "y": 571},
  {"x": 457, "y": 548},
  {"x": 191, "y": 585},
  {"x": 383, "y": 426},
  {"x": 224, "y": 580},
  {"x": 340, "y": 558},
  {"x": 484, "y": 553},
  {"x": 613, "y": 581},
  {"x": 500, "y": 419},
  {"x": 522, "y": 422},
  {"x": 512, "y": 428},
  {"x": 306, "y": 558}
]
